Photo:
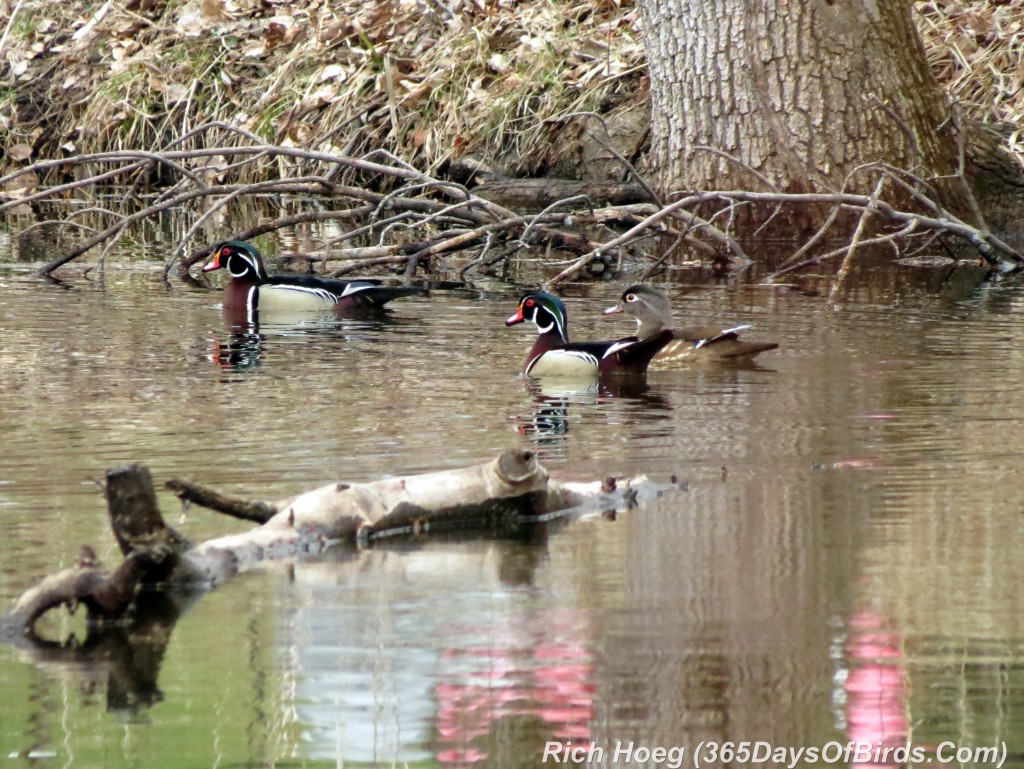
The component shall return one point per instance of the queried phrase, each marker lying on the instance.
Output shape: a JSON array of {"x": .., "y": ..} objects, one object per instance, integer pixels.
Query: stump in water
[{"x": 134, "y": 513}]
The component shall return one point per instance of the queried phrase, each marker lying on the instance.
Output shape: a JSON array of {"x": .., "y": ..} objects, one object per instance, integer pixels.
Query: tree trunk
[{"x": 801, "y": 91}]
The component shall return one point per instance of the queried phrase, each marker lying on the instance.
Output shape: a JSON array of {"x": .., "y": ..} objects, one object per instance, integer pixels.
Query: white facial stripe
[
  {"x": 246, "y": 258},
  {"x": 545, "y": 329}
]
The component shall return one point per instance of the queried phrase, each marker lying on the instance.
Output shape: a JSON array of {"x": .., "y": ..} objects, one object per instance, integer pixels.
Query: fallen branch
[{"x": 500, "y": 496}]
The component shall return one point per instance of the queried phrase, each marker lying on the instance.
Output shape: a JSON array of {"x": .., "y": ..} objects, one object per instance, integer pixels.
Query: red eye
[
  {"x": 226, "y": 251},
  {"x": 528, "y": 303}
]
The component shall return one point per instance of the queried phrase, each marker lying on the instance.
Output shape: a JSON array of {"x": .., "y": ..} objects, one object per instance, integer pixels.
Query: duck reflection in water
[
  {"x": 244, "y": 349},
  {"x": 548, "y": 427},
  {"x": 249, "y": 339}
]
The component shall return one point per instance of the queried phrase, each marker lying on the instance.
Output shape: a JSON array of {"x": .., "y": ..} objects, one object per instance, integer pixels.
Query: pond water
[{"x": 843, "y": 564}]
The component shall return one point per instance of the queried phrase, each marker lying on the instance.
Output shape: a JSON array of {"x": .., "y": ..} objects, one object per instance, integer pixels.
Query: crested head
[
  {"x": 545, "y": 310},
  {"x": 240, "y": 259},
  {"x": 651, "y": 308}
]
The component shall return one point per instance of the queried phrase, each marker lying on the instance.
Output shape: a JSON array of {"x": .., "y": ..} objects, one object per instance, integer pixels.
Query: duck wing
[
  {"x": 630, "y": 355},
  {"x": 363, "y": 294},
  {"x": 703, "y": 335}
]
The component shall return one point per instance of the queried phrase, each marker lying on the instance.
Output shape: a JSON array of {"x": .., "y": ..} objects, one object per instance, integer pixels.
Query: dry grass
[
  {"x": 428, "y": 80},
  {"x": 410, "y": 76},
  {"x": 976, "y": 50}
]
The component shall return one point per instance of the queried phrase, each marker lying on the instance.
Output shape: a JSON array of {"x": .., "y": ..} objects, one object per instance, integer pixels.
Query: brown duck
[{"x": 699, "y": 344}]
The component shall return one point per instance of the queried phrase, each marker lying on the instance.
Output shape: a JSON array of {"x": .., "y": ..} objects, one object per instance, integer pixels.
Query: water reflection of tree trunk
[{"x": 731, "y": 636}]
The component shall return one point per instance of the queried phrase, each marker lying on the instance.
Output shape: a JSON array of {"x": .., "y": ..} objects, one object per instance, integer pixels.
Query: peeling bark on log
[{"x": 513, "y": 484}]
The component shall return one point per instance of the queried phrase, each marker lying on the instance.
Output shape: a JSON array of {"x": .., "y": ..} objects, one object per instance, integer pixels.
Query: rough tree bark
[{"x": 801, "y": 91}]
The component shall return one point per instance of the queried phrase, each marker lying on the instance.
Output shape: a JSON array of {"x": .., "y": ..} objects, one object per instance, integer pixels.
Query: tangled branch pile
[{"x": 414, "y": 220}]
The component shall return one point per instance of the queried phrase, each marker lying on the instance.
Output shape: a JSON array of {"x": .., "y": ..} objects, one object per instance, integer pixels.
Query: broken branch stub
[{"x": 134, "y": 514}]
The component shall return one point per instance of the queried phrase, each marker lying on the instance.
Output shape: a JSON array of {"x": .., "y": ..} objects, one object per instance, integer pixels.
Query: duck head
[
  {"x": 651, "y": 308},
  {"x": 546, "y": 311},
  {"x": 241, "y": 260}
]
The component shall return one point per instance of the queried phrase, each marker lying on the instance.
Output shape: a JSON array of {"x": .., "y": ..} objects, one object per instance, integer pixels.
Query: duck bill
[
  {"x": 517, "y": 318},
  {"x": 214, "y": 264},
  {"x": 613, "y": 310}
]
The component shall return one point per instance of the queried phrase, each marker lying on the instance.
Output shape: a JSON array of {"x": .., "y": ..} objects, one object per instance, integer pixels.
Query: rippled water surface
[{"x": 843, "y": 565}]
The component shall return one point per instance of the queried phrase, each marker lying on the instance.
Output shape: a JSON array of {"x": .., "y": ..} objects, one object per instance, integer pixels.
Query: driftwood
[{"x": 502, "y": 496}]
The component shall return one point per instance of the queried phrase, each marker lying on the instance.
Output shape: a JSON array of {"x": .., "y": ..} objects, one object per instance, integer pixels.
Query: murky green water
[{"x": 845, "y": 564}]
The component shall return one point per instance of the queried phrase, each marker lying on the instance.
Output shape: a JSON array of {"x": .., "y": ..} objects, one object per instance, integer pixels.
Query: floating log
[{"x": 500, "y": 496}]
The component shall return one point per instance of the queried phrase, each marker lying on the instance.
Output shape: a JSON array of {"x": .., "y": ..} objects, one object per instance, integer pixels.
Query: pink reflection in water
[
  {"x": 876, "y": 691},
  {"x": 549, "y": 679}
]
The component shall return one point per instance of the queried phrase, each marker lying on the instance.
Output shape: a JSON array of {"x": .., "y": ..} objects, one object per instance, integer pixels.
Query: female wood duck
[
  {"x": 553, "y": 355},
  {"x": 253, "y": 289},
  {"x": 707, "y": 344}
]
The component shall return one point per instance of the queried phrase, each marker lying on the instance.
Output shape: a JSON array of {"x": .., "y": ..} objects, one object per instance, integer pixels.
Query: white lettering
[
  {"x": 623, "y": 753},
  {"x": 940, "y": 752},
  {"x": 832, "y": 752},
  {"x": 762, "y": 752},
  {"x": 551, "y": 750},
  {"x": 984, "y": 756},
  {"x": 675, "y": 757}
]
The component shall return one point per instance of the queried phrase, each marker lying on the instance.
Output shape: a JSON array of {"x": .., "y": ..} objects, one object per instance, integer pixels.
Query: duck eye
[
  {"x": 528, "y": 303},
  {"x": 226, "y": 251},
  {"x": 630, "y": 297}
]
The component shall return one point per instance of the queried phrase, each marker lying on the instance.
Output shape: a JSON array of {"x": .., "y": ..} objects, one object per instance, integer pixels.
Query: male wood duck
[
  {"x": 699, "y": 344},
  {"x": 553, "y": 355},
  {"x": 252, "y": 289}
]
